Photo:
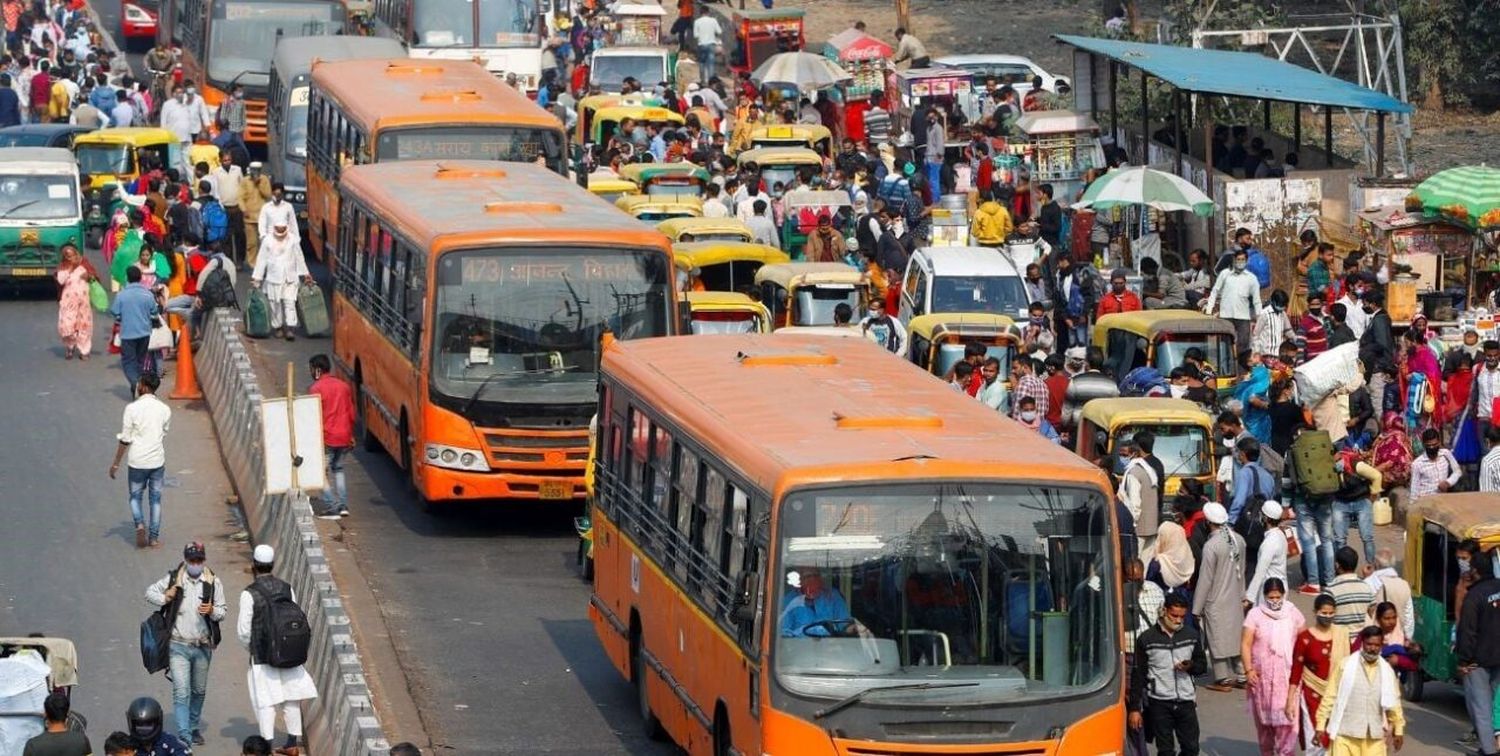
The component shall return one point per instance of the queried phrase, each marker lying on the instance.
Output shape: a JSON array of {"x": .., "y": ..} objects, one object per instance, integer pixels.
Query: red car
[{"x": 137, "y": 24}]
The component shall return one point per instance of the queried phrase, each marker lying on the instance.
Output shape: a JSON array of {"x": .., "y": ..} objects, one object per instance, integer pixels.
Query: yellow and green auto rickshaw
[
  {"x": 721, "y": 265},
  {"x": 117, "y": 156},
  {"x": 42, "y": 211},
  {"x": 608, "y": 185},
  {"x": 1160, "y": 338},
  {"x": 1435, "y": 526},
  {"x": 816, "y": 138},
  {"x": 806, "y": 293},
  {"x": 599, "y": 116},
  {"x": 936, "y": 342},
  {"x": 779, "y": 165},
  {"x": 689, "y": 230},
  {"x": 658, "y": 209},
  {"x": 726, "y": 312},
  {"x": 1184, "y": 435},
  {"x": 666, "y": 179}
]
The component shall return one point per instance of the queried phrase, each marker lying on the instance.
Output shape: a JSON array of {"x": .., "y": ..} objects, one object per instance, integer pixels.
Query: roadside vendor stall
[
  {"x": 866, "y": 59},
  {"x": 1468, "y": 199},
  {"x": 1430, "y": 260},
  {"x": 755, "y": 34},
  {"x": 913, "y": 88},
  {"x": 638, "y": 24},
  {"x": 1058, "y": 147}
]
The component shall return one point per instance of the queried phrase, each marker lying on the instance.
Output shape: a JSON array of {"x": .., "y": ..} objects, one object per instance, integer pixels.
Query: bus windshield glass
[
  {"x": 296, "y": 123},
  {"x": 450, "y": 23},
  {"x": 32, "y": 197},
  {"x": 524, "y": 326},
  {"x": 993, "y": 592},
  {"x": 516, "y": 144},
  {"x": 240, "y": 43}
]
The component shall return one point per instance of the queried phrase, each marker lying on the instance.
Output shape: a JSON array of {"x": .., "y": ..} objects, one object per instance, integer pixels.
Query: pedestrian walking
[
  {"x": 134, "y": 309},
  {"x": 1387, "y": 585},
  {"x": 255, "y": 193},
  {"x": 1478, "y": 651},
  {"x": 1351, "y": 502},
  {"x": 706, "y": 35},
  {"x": 1271, "y": 630},
  {"x": 198, "y": 606},
  {"x": 338, "y": 432},
  {"x": 272, "y": 688},
  {"x": 278, "y": 271},
  {"x": 1162, "y": 697},
  {"x": 1363, "y": 703},
  {"x": 1217, "y": 597},
  {"x": 1235, "y": 297},
  {"x": 1320, "y": 646},
  {"x": 75, "y": 313},
  {"x": 143, "y": 435},
  {"x": 1436, "y": 471},
  {"x": 1351, "y": 594},
  {"x": 1270, "y": 558},
  {"x": 228, "y": 179},
  {"x": 144, "y": 720},
  {"x": 57, "y": 739},
  {"x": 276, "y": 212}
]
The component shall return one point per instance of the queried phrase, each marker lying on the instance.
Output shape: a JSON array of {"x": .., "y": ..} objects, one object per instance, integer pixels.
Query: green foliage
[{"x": 1441, "y": 48}]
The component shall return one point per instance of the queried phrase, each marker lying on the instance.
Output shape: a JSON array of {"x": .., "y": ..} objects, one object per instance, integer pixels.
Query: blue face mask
[{"x": 194, "y": 570}]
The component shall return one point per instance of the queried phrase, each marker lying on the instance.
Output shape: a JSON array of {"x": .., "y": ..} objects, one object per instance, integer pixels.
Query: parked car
[
  {"x": 41, "y": 135},
  {"x": 1014, "y": 71},
  {"x": 137, "y": 25}
]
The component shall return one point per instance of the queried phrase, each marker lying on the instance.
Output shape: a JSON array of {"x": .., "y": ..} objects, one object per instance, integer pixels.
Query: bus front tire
[
  {"x": 650, "y": 725},
  {"x": 723, "y": 742}
]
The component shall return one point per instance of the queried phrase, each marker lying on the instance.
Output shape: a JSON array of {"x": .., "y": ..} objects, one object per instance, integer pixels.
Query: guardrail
[{"x": 342, "y": 720}]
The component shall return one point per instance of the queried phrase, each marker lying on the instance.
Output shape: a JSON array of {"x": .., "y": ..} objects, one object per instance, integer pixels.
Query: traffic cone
[{"x": 187, "y": 378}]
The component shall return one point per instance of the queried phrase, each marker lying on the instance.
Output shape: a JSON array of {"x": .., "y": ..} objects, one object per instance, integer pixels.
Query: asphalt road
[{"x": 70, "y": 566}]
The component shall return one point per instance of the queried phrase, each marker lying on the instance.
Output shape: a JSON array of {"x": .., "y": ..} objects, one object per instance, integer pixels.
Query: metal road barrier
[{"x": 342, "y": 720}]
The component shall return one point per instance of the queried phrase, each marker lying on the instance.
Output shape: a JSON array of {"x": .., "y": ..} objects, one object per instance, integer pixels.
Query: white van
[{"x": 962, "y": 279}]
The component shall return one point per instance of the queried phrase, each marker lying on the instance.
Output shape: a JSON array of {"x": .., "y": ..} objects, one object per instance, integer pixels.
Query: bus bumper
[{"x": 443, "y": 484}]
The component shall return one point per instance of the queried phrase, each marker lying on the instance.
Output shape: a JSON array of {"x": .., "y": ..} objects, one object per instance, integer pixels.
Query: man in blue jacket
[{"x": 10, "y": 103}]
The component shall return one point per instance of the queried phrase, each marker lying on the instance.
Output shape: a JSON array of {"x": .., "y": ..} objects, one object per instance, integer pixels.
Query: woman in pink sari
[
  {"x": 1266, "y": 646},
  {"x": 75, "y": 316},
  {"x": 1392, "y": 451}
]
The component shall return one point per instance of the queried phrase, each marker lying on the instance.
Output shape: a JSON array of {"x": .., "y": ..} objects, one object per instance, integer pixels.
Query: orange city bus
[
  {"x": 470, "y": 301},
  {"x": 229, "y": 42},
  {"x": 375, "y": 111},
  {"x": 807, "y": 546}
]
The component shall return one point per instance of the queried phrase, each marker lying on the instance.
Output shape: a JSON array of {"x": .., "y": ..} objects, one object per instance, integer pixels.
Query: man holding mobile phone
[
  {"x": 198, "y": 606},
  {"x": 1162, "y": 696}
]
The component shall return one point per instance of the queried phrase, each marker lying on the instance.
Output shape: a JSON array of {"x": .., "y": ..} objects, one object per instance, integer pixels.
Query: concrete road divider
[{"x": 342, "y": 720}]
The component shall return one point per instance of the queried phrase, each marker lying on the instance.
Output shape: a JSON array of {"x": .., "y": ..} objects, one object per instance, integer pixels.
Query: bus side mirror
[{"x": 744, "y": 595}]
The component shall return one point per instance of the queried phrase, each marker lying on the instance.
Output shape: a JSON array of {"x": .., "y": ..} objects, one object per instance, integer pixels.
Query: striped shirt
[
  {"x": 1352, "y": 598},
  {"x": 1149, "y": 602},
  {"x": 1034, "y": 387},
  {"x": 1489, "y": 471}
]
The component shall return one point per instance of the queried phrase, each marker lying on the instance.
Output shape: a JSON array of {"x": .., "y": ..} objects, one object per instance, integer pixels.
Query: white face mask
[{"x": 1029, "y": 416}]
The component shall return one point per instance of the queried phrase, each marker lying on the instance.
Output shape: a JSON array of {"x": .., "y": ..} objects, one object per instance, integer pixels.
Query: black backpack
[
  {"x": 218, "y": 289},
  {"x": 280, "y": 635}
]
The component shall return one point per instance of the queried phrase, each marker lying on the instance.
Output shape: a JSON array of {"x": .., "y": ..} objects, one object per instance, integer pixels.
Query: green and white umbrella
[
  {"x": 1469, "y": 195},
  {"x": 1143, "y": 186}
]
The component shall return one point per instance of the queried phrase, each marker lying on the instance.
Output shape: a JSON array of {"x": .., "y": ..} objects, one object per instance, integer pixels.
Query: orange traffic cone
[{"x": 187, "y": 378}]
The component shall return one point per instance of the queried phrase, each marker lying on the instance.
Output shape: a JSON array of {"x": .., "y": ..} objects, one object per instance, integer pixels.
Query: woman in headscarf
[
  {"x": 1392, "y": 451},
  {"x": 75, "y": 315},
  {"x": 1318, "y": 649},
  {"x": 1266, "y": 646},
  {"x": 1172, "y": 567}
]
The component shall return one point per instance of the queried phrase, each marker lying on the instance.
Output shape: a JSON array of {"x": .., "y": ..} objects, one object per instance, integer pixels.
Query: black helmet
[{"x": 144, "y": 719}]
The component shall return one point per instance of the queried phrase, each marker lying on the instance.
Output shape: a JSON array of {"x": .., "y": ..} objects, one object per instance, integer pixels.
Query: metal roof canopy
[{"x": 1238, "y": 74}]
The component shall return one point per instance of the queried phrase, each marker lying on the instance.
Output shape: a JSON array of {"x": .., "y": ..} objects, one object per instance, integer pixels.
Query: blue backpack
[
  {"x": 1142, "y": 381},
  {"x": 215, "y": 221}
]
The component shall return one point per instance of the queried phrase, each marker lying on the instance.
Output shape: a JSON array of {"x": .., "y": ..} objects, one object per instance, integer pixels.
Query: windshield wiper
[
  {"x": 484, "y": 384},
  {"x": 28, "y": 203},
  {"x": 851, "y": 700}
]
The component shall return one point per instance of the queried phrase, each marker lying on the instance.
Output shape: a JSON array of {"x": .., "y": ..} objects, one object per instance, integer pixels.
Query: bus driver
[{"x": 814, "y": 610}]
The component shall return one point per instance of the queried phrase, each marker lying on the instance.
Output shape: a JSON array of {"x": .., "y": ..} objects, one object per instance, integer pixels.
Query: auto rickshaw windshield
[
  {"x": 101, "y": 159},
  {"x": 950, "y": 354},
  {"x": 1181, "y": 448},
  {"x": 1218, "y": 349}
]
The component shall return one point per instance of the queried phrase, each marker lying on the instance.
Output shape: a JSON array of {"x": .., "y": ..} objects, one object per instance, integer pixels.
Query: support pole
[
  {"x": 1114, "y": 104},
  {"x": 1380, "y": 144},
  {"x": 1178, "y": 132},
  {"x": 1327, "y": 136},
  {"x": 1265, "y": 106},
  {"x": 1297, "y": 127},
  {"x": 1145, "y": 119}
]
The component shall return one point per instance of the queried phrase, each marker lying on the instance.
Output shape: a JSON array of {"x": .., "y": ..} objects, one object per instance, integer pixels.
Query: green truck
[{"x": 40, "y": 211}]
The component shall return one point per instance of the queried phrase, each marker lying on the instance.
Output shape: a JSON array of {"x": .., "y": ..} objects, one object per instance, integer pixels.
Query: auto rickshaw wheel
[
  {"x": 1412, "y": 685},
  {"x": 93, "y": 238}
]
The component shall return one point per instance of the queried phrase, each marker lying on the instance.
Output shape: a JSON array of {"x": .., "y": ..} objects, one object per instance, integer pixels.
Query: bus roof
[
  {"x": 468, "y": 202},
  {"x": 295, "y": 55},
  {"x": 793, "y": 410},
  {"x": 404, "y": 91}
]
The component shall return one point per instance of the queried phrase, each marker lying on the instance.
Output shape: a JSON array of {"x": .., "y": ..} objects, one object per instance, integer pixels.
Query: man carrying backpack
[
  {"x": 275, "y": 631},
  {"x": 213, "y": 215},
  {"x": 198, "y": 605},
  {"x": 209, "y": 284}
]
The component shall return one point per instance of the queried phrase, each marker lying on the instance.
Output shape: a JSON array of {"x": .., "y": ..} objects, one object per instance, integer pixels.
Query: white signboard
[{"x": 282, "y": 445}]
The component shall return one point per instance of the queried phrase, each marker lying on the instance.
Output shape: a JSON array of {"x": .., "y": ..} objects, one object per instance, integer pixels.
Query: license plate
[
  {"x": 556, "y": 489},
  {"x": 27, "y": 271}
]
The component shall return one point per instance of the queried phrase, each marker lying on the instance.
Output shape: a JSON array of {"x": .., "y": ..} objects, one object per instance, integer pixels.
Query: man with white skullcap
[
  {"x": 1216, "y": 599},
  {"x": 1270, "y": 561},
  {"x": 275, "y": 683}
]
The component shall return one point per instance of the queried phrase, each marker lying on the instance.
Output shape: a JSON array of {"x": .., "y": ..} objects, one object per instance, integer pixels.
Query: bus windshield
[
  {"x": 241, "y": 41},
  {"x": 450, "y": 23},
  {"x": 524, "y": 326},
  {"x": 31, "y": 197},
  {"x": 517, "y": 144},
  {"x": 296, "y": 124},
  {"x": 992, "y": 592}
]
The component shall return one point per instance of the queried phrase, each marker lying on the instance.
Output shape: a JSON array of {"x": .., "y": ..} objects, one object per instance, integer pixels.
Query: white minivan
[{"x": 961, "y": 279}]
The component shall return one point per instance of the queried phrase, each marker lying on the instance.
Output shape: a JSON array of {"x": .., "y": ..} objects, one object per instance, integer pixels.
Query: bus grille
[{"x": 559, "y": 454}]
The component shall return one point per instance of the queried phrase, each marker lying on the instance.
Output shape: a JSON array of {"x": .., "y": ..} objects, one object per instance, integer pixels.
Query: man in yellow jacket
[{"x": 991, "y": 223}]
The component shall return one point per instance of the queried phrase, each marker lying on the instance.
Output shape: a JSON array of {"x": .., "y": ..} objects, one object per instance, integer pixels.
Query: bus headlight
[
  {"x": 301, "y": 197},
  {"x": 456, "y": 458}
]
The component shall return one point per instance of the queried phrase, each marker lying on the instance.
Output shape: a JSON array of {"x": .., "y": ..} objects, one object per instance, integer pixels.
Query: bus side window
[
  {"x": 712, "y": 544},
  {"x": 413, "y": 302},
  {"x": 686, "y": 497},
  {"x": 635, "y": 453}
]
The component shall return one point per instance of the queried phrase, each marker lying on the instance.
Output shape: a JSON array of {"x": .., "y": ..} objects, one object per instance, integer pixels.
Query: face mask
[
  {"x": 1040, "y": 320},
  {"x": 1316, "y": 312},
  {"x": 1178, "y": 392},
  {"x": 1119, "y": 288},
  {"x": 1369, "y": 310},
  {"x": 1432, "y": 453},
  {"x": 1369, "y": 657},
  {"x": 1171, "y": 624},
  {"x": 1324, "y": 620},
  {"x": 1275, "y": 604},
  {"x": 194, "y": 570},
  {"x": 1029, "y": 417},
  {"x": 1239, "y": 266},
  {"x": 1464, "y": 565}
]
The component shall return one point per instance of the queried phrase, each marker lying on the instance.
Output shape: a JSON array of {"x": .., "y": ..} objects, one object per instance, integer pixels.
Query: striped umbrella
[
  {"x": 803, "y": 70},
  {"x": 1469, "y": 195},
  {"x": 1144, "y": 186}
]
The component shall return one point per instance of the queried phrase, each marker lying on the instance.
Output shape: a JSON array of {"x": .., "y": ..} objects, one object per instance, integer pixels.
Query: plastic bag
[{"x": 98, "y": 297}]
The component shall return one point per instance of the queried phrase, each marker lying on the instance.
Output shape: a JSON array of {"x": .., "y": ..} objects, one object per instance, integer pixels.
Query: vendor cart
[
  {"x": 918, "y": 86},
  {"x": 755, "y": 34},
  {"x": 866, "y": 59},
  {"x": 1438, "y": 255},
  {"x": 1058, "y": 148},
  {"x": 638, "y": 25}
]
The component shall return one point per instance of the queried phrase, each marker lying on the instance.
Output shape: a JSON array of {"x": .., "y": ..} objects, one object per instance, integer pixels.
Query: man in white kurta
[
  {"x": 273, "y": 688},
  {"x": 277, "y": 272}
]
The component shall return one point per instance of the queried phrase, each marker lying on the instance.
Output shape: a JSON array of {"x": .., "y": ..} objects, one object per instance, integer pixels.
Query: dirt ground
[{"x": 1024, "y": 27}]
